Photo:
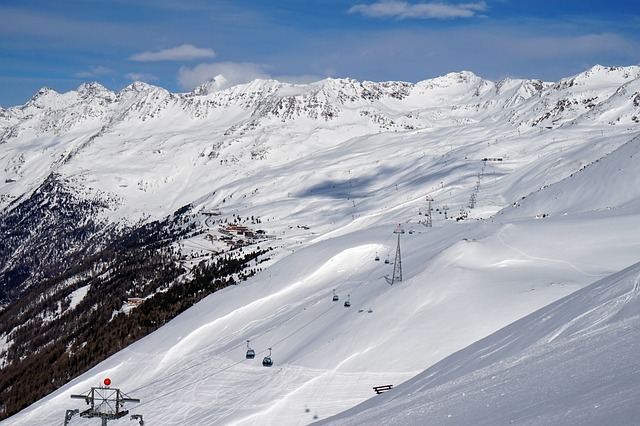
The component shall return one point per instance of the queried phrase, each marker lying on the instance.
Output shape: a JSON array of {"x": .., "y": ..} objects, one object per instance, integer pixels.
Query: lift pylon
[
  {"x": 428, "y": 222},
  {"x": 105, "y": 403},
  {"x": 397, "y": 264}
]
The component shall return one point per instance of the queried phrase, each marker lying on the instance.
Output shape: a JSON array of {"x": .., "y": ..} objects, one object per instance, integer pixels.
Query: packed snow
[
  {"x": 570, "y": 363},
  {"x": 518, "y": 306}
]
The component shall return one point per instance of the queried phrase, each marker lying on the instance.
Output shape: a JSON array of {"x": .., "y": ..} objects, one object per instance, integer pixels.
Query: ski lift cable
[
  {"x": 186, "y": 385},
  {"x": 373, "y": 271},
  {"x": 299, "y": 328},
  {"x": 207, "y": 359},
  {"x": 193, "y": 382},
  {"x": 236, "y": 347},
  {"x": 366, "y": 279},
  {"x": 177, "y": 372},
  {"x": 391, "y": 235},
  {"x": 331, "y": 306}
]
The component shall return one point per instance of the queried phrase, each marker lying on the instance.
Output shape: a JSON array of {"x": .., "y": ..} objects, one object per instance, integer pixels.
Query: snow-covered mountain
[
  {"x": 535, "y": 191},
  {"x": 573, "y": 362}
]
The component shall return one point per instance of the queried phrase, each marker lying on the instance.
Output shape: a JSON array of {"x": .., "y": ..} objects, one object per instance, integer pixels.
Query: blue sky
[{"x": 181, "y": 44}]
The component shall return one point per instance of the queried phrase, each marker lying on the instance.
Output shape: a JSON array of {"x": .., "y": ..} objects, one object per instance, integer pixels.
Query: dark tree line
[
  {"x": 45, "y": 234},
  {"x": 52, "y": 342}
]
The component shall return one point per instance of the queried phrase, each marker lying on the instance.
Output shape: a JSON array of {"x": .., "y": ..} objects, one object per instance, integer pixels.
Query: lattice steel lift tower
[
  {"x": 428, "y": 223},
  {"x": 105, "y": 403},
  {"x": 397, "y": 264}
]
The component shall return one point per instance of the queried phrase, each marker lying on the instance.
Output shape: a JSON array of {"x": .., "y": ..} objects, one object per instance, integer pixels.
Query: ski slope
[{"x": 570, "y": 363}]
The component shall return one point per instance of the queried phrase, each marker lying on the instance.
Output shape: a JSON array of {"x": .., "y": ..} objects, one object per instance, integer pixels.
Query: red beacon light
[{"x": 107, "y": 382}]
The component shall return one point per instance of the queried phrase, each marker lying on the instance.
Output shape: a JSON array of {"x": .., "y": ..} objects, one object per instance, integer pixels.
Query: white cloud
[
  {"x": 222, "y": 74},
  {"x": 94, "y": 72},
  {"x": 138, "y": 76},
  {"x": 404, "y": 10},
  {"x": 186, "y": 52},
  {"x": 299, "y": 79}
]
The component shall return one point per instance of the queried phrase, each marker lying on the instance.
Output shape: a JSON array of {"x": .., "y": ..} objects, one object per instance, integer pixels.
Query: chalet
[
  {"x": 134, "y": 301},
  {"x": 237, "y": 229}
]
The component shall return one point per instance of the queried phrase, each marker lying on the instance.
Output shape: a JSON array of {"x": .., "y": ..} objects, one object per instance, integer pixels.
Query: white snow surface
[
  {"x": 569, "y": 363},
  {"x": 525, "y": 312}
]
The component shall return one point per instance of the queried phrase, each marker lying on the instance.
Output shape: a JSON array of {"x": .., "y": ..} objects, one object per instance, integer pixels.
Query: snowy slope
[
  {"x": 547, "y": 205},
  {"x": 571, "y": 363},
  {"x": 461, "y": 283}
]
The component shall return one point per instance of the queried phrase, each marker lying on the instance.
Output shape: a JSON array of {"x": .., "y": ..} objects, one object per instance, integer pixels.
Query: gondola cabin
[
  {"x": 251, "y": 354},
  {"x": 347, "y": 303},
  {"x": 267, "y": 361},
  {"x": 335, "y": 296}
]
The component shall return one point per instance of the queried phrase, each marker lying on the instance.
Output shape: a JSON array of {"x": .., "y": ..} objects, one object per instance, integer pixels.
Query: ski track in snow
[{"x": 522, "y": 252}]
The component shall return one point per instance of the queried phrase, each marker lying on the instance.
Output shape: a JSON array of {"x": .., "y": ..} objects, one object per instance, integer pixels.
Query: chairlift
[
  {"x": 335, "y": 296},
  {"x": 347, "y": 303},
  {"x": 267, "y": 361},
  {"x": 250, "y": 352}
]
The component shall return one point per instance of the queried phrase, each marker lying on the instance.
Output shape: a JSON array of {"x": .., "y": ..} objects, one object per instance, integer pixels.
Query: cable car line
[
  {"x": 200, "y": 379},
  {"x": 234, "y": 348}
]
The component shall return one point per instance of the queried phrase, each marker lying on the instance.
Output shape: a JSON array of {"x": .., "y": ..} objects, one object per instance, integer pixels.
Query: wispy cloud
[
  {"x": 222, "y": 74},
  {"x": 139, "y": 76},
  {"x": 186, "y": 52},
  {"x": 94, "y": 72},
  {"x": 405, "y": 10}
]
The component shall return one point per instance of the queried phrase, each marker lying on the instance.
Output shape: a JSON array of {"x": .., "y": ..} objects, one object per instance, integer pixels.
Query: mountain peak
[
  {"x": 41, "y": 98},
  {"x": 91, "y": 88},
  {"x": 139, "y": 87},
  {"x": 599, "y": 75}
]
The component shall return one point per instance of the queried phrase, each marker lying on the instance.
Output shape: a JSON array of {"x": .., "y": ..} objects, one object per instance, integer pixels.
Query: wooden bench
[{"x": 380, "y": 389}]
